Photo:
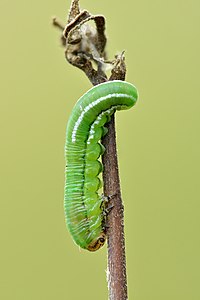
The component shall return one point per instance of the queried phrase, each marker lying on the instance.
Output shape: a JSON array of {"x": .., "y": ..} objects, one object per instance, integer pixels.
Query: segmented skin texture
[{"x": 83, "y": 205}]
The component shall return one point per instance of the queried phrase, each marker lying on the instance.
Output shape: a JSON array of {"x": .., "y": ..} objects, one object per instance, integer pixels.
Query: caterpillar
[{"x": 82, "y": 203}]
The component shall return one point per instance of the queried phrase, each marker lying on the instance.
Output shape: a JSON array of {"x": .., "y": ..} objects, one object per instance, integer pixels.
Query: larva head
[{"x": 97, "y": 243}]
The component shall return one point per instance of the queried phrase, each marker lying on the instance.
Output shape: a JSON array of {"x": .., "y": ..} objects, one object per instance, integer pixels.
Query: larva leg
[
  {"x": 111, "y": 196},
  {"x": 108, "y": 209},
  {"x": 105, "y": 131},
  {"x": 104, "y": 201},
  {"x": 104, "y": 205},
  {"x": 105, "y": 213},
  {"x": 105, "y": 228}
]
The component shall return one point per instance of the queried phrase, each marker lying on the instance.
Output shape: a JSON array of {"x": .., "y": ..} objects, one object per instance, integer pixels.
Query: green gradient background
[{"x": 158, "y": 145}]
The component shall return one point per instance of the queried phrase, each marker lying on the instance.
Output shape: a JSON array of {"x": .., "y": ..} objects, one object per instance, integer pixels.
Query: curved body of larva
[{"x": 82, "y": 204}]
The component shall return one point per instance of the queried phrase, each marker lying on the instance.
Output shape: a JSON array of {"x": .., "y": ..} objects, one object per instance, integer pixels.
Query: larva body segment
[{"x": 82, "y": 204}]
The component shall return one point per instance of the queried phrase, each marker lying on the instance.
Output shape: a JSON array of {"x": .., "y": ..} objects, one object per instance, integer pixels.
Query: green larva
[{"x": 82, "y": 204}]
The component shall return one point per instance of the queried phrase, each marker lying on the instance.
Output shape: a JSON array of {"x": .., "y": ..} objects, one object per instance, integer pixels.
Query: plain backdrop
[{"x": 158, "y": 145}]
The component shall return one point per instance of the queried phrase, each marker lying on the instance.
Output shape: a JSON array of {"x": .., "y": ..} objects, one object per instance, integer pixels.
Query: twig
[
  {"x": 116, "y": 274},
  {"x": 85, "y": 49}
]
